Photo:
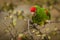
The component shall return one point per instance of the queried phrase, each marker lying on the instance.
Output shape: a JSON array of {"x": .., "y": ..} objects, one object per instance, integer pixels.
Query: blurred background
[{"x": 8, "y": 32}]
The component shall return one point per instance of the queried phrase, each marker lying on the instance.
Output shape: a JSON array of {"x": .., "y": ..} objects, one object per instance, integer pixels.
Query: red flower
[{"x": 32, "y": 9}]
